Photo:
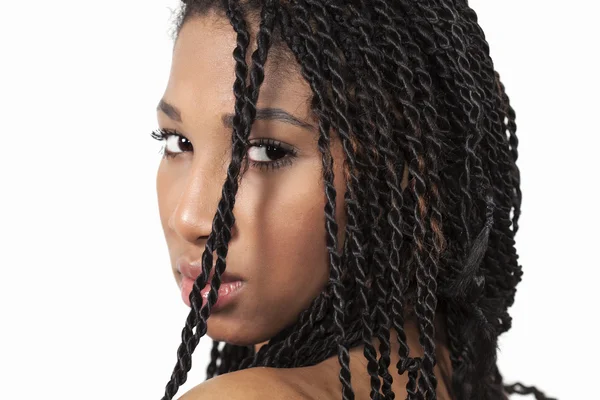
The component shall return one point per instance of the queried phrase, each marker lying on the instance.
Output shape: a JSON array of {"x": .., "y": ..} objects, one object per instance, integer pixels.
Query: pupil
[
  {"x": 183, "y": 142},
  {"x": 273, "y": 152}
]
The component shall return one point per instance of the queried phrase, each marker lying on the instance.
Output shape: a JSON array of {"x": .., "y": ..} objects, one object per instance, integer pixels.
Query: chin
[{"x": 226, "y": 327}]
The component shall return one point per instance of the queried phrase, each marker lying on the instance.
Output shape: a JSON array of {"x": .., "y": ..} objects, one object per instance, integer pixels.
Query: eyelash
[{"x": 286, "y": 160}]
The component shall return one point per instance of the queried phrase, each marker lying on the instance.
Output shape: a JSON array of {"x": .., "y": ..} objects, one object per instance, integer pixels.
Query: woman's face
[{"x": 278, "y": 244}]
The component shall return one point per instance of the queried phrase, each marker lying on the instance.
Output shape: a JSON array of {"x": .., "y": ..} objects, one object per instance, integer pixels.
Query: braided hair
[{"x": 404, "y": 84}]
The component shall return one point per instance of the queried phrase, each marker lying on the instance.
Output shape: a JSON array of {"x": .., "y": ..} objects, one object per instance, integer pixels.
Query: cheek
[
  {"x": 168, "y": 190},
  {"x": 281, "y": 229},
  {"x": 164, "y": 190},
  {"x": 288, "y": 224},
  {"x": 164, "y": 183}
]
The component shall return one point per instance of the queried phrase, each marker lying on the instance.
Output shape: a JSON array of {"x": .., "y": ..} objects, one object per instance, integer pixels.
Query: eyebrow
[{"x": 276, "y": 114}]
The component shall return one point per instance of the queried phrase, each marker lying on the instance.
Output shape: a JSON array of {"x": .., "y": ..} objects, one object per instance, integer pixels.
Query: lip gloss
[{"x": 227, "y": 292}]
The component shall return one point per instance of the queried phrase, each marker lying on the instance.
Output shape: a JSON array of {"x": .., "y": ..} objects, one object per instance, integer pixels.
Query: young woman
[{"x": 370, "y": 252}]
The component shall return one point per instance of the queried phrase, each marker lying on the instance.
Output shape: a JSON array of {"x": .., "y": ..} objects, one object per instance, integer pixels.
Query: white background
[{"x": 88, "y": 304}]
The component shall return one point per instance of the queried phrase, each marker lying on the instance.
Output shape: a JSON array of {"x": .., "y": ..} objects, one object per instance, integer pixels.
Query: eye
[
  {"x": 262, "y": 153},
  {"x": 270, "y": 154},
  {"x": 173, "y": 141}
]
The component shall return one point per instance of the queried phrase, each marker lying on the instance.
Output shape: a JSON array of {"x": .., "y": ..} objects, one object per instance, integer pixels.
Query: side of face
[{"x": 278, "y": 244}]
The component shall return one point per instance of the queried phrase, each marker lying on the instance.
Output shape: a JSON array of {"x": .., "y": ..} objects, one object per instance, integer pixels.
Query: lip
[
  {"x": 230, "y": 284},
  {"x": 227, "y": 293},
  {"x": 192, "y": 270}
]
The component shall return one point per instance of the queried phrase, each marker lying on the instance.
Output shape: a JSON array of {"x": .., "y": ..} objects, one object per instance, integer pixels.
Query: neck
[
  {"x": 259, "y": 345},
  {"x": 411, "y": 331}
]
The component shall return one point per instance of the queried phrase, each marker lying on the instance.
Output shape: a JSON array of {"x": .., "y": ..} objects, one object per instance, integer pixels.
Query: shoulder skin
[{"x": 249, "y": 384}]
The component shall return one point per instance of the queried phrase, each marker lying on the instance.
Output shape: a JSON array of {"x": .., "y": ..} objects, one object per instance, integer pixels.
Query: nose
[{"x": 193, "y": 215}]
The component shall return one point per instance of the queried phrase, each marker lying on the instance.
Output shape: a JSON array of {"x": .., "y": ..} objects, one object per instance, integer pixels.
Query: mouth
[
  {"x": 226, "y": 294},
  {"x": 231, "y": 284}
]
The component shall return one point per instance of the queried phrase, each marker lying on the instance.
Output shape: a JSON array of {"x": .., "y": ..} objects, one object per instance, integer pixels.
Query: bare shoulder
[{"x": 253, "y": 383}]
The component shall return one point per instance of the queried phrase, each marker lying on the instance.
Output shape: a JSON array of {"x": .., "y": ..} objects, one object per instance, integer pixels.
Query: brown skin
[{"x": 278, "y": 244}]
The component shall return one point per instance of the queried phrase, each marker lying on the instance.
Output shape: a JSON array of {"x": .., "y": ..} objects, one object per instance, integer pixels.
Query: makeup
[{"x": 228, "y": 291}]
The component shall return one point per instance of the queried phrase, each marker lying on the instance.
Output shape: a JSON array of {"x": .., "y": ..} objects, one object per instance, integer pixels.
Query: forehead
[{"x": 203, "y": 72}]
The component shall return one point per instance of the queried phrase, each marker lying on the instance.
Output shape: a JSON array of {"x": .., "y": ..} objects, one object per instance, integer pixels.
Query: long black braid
[{"x": 403, "y": 83}]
